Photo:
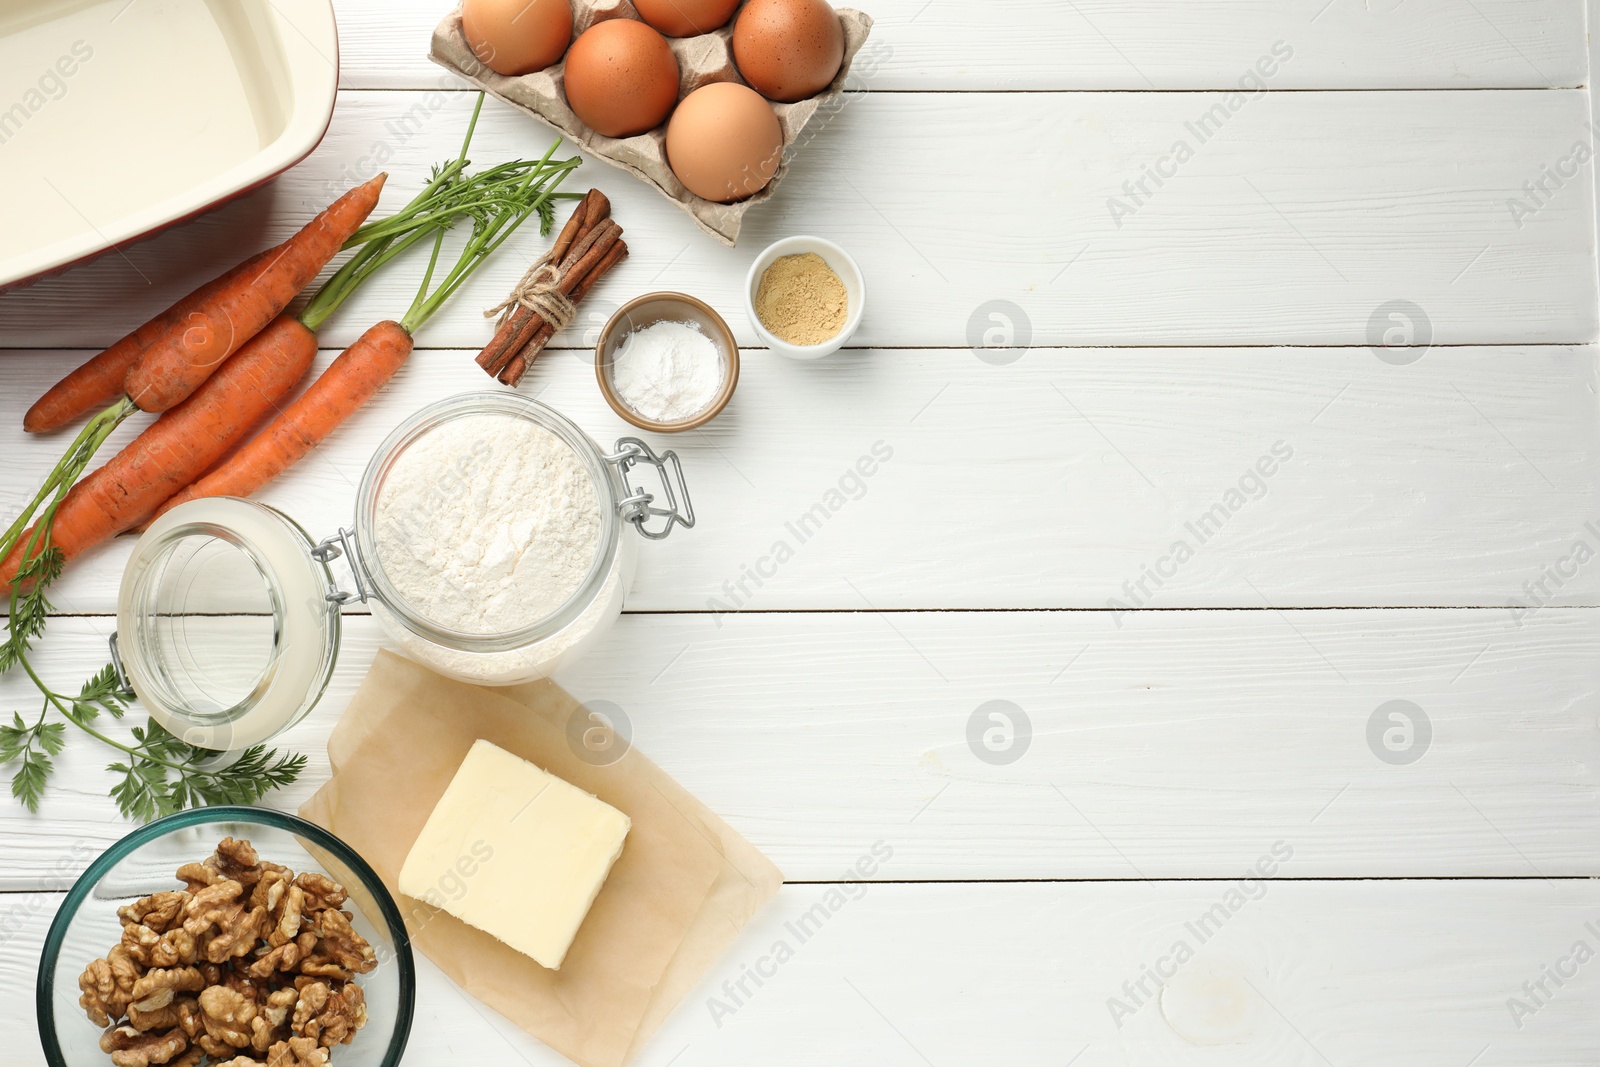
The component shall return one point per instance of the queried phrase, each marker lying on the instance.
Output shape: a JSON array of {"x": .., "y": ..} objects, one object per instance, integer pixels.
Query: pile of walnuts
[{"x": 250, "y": 964}]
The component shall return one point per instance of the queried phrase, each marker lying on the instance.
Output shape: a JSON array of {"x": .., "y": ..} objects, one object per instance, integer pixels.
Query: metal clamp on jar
[{"x": 228, "y": 616}]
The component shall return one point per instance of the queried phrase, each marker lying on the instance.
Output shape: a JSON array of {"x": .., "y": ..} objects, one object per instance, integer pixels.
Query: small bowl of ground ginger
[{"x": 804, "y": 296}]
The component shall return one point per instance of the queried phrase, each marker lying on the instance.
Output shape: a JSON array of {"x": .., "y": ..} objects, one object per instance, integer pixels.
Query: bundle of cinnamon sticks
[{"x": 587, "y": 246}]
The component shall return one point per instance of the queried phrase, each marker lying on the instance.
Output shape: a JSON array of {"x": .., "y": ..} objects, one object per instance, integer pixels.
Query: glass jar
[{"x": 228, "y": 615}]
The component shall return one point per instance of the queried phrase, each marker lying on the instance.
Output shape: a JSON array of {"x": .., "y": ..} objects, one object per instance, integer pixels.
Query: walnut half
[
  {"x": 130, "y": 1048},
  {"x": 107, "y": 986}
]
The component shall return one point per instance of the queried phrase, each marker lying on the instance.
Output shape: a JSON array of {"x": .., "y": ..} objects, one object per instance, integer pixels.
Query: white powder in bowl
[
  {"x": 667, "y": 371},
  {"x": 487, "y": 524}
]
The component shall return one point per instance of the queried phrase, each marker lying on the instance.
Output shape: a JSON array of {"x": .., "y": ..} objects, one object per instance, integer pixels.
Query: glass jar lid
[{"x": 225, "y": 628}]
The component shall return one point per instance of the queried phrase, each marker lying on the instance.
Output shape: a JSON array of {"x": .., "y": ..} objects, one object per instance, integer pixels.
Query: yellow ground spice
[{"x": 801, "y": 300}]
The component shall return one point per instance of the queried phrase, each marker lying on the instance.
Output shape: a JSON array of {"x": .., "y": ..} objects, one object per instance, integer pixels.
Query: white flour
[
  {"x": 668, "y": 371},
  {"x": 487, "y": 524},
  {"x": 526, "y": 664}
]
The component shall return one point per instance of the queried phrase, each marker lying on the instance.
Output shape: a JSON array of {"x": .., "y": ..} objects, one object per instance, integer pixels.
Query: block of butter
[{"x": 516, "y": 852}]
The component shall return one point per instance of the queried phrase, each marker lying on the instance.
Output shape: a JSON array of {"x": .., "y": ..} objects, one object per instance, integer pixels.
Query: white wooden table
[{"x": 1161, "y": 354}]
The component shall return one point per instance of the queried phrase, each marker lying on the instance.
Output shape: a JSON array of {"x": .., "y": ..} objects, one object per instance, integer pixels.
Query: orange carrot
[
  {"x": 349, "y": 382},
  {"x": 178, "y": 447},
  {"x": 193, "y": 348},
  {"x": 100, "y": 381}
]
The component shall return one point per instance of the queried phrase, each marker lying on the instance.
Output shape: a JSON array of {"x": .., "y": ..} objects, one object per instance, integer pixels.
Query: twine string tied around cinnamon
[{"x": 540, "y": 292}]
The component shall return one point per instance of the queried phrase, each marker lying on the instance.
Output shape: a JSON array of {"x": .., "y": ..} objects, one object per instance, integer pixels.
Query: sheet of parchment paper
[{"x": 683, "y": 887}]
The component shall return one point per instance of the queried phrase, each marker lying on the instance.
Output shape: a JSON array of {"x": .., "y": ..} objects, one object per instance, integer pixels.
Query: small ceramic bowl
[
  {"x": 845, "y": 267},
  {"x": 648, "y": 310}
]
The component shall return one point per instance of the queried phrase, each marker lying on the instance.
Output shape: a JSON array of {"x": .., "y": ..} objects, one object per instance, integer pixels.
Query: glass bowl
[{"x": 143, "y": 863}]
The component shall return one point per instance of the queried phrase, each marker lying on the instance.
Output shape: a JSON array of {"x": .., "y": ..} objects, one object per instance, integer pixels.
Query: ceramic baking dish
[{"x": 121, "y": 117}]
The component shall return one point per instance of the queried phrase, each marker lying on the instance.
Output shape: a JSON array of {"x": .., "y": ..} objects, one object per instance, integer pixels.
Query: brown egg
[
  {"x": 622, "y": 77},
  {"x": 724, "y": 142},
  {"x": 685, "y": 18},
  {"x": 788, "y": 49},
  {"x": 514, "y": 37}
]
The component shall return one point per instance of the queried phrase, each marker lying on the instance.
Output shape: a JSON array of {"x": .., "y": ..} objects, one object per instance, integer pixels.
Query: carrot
[
  {"x": 100, "y": 381},
  {"x": 178, "y": 447},
  {"x": 349, "y": 382},
  {"x": 190, "y": 350}
]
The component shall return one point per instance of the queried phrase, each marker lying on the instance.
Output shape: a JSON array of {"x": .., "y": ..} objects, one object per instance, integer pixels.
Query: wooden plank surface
[
  {"x": 1118, "y": 44},
  {"x": 1296, "y": 220},
  {"x": 1166, "y": 748},
  {"x": 1061, "y": 479},
  {"x": 1430, "y": 511},
  {"x": 1009, "y": 973}
]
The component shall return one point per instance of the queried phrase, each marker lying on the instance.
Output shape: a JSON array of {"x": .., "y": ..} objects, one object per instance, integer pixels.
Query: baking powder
[
  {"x": 487, "y": 524},
  {"x": 668, "y": 371}
]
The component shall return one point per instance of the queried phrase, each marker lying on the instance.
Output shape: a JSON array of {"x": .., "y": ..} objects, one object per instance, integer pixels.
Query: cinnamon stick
[
  {"x": 584, "y": 255},
  {"x": 612, "y": 257},
  {"x": 576, "y": 238},
  {"x": 512, "y": 373},
  {"x": 602, "y": 235},
  {"x": 514, "y": 368},
  {"x": 591, "y": 209}
]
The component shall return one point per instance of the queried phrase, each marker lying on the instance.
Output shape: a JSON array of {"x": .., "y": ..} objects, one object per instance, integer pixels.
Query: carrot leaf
[
  {"x": 165, "y": 775},
  {"x": 103, "y": 692},
  {"x": 495, "y": 201},
  {"x": 30, "y": 610},
  {"x": 509, "y": 195},
  {"x": 31, "y": 747}
]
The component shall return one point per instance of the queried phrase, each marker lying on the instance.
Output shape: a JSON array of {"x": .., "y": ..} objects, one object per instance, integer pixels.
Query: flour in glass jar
[{"x": 487, "y": 524}]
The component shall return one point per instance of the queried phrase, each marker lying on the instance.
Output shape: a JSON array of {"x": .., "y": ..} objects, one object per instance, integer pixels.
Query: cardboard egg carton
[{"x": 701, "y": 60}]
